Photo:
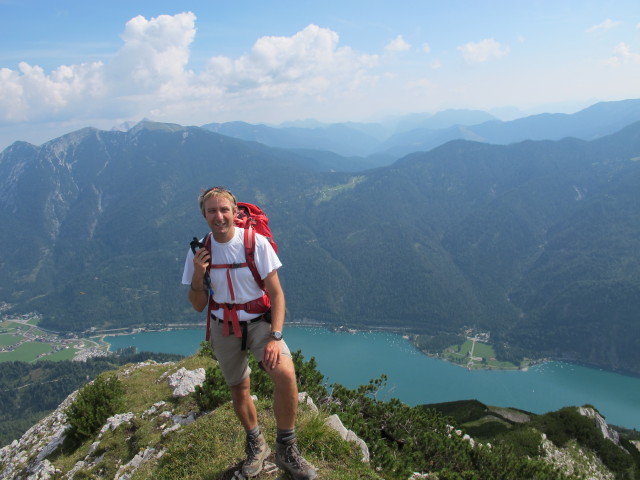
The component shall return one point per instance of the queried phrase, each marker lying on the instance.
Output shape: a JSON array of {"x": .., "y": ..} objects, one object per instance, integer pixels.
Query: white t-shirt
[{"x": 245, "y": 287}]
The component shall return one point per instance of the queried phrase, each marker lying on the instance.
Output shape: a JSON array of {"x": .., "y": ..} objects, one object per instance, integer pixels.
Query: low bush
[{"x": 96, "y": 402}]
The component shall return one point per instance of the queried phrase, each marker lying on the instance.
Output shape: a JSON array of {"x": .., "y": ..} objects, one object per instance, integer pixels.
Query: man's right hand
[
  {"x": 198, "y": 293},
  {"x": 201, "y": 261}
]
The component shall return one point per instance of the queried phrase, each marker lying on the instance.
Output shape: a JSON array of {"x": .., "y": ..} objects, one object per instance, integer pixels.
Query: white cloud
[
  {"x": 608, "y": 24},
  {"x": 155, "y": 51},
  {"x": 480, "y": 52},
  {"x": 310, "y": 62},
  {"x": 396, "y": 45},
  {"x": 426, "y": 48},
  {"x": 148, "y": 76},
  {"x": 150, "y": 63},
  {"x": 29, "y": 93},
  {"x": 622, "y": 54}
]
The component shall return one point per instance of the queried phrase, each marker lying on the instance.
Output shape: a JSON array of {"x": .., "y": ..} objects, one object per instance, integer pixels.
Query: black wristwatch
[{"x": 276, "y": 335}]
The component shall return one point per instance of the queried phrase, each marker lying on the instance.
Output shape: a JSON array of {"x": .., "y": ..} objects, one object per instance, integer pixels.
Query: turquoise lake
[{"x": 353, "y": 359}]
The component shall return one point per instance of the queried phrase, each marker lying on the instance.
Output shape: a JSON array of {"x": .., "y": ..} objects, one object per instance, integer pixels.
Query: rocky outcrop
[
  {"x": 185, "y": 381},
  {"x": 600, "y": 422},
  {"x": 574, "y": 460},
  {"x": 335, "y": 423},
  {"x": 26, "y": 458}
]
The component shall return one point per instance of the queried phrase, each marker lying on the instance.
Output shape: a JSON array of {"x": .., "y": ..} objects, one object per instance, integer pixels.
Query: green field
[
  {"x": 460, "y": 354},
  {"x": 12, "y": 333},
  {"x": 9, "y": 325},
  {"x": 66, "y": 354},
  {"x": 8, "y": 339},
  {"x": 27, "y": 352}
]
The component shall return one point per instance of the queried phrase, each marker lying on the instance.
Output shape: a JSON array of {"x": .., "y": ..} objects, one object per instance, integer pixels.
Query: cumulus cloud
[
  {"x": 30, "y": 93},
  {"x": 151, "y": 61},
  {"x": 396, "y": 45},
  {"x": 480, "y": 52},
  {"x": 309, "y": 62},
  {"x": 155, "y": 51},
  {"x": 149, "y": 75},
  {"x": 622, "y": 54},
  {"x": 608, "y": 24}
]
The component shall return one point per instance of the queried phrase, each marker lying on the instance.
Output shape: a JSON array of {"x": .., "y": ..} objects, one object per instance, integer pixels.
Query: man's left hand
[{"x": 271, "y": 357}]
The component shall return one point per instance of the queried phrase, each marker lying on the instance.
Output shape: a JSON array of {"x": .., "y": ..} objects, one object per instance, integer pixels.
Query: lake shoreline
[
  {"x": 315, "y": 324},
  {"x": 100, "y": 335},
  {"x": 353, "y": 357}
]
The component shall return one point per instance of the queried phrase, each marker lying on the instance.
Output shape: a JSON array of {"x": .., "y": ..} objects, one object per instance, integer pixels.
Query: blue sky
[{"x": 69, "y": 64}]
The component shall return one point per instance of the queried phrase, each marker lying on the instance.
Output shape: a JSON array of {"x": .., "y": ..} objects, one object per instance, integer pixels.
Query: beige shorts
[{"x": 234, "y": 362}]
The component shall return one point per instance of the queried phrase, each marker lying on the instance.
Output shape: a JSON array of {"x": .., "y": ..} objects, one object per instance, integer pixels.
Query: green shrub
[
  {"x": 96, "y": 402},
  {"x": 524, "y": 440},
  {"x": 206, "y": 350},
  {"x": 404, "y": 439},
  {"x": 213, "y": 392}
]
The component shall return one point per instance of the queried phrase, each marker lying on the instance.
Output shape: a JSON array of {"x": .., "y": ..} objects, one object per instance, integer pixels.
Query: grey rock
[
  {"x": 334, "y": 422},
  {"x": 184, "y": 381},
  {"x": 184, "y": 419},
  {"x": 602, "y": 425},
  {"x": 115, "y": 421},
  {"x": 305, "y": 399}
]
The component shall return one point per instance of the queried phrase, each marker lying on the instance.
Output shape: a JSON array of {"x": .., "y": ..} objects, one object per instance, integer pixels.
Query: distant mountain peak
[{"x": 150, "y": 125}]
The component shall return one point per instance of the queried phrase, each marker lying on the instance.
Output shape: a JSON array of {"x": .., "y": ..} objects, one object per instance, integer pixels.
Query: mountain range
[
  {"x": 535, "y": 241},
  {"x": 378, "y": 144}
]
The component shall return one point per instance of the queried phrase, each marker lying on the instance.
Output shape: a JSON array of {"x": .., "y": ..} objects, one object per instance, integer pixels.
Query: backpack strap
[
  {"x": 231, "y": 309},
  {"x": 250, "y": 254},
  {"x": 207, "y": 245}
]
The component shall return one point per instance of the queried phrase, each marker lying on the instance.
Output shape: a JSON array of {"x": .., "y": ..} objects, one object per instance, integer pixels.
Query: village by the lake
[{"x": 21, "y": 339}]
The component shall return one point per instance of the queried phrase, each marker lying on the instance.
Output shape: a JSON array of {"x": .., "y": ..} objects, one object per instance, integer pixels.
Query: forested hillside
[{"x": 535, "y": 242}]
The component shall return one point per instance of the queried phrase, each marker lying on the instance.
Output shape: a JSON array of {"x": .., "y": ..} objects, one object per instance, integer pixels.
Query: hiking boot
[
  {"x": 257, "y": 451},
  {"x": 289, "y": 459}
]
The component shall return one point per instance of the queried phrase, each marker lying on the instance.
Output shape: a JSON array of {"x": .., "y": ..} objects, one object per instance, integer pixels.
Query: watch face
[{"x": 276, "y": 335}]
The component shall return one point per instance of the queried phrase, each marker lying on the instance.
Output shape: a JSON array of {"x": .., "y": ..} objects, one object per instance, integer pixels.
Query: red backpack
[{"x": 253, "y": 220}]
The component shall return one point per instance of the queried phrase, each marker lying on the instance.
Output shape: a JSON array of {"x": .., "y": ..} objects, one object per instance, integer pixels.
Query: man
[{"x": 233, "y": 289}]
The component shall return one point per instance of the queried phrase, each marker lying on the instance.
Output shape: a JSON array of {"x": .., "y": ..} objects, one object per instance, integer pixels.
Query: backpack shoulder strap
[
  {"x": 207, "y": 245},
  {"x": 210, "y": 302},
  {"x": 250, "y": 254}
]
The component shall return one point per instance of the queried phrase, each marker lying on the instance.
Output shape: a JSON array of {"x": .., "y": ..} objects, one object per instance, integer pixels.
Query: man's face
[{"x": 219, "y": 213}]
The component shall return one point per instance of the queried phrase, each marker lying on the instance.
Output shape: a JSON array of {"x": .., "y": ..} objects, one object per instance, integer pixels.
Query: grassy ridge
[{"x": 504, "y": 443}]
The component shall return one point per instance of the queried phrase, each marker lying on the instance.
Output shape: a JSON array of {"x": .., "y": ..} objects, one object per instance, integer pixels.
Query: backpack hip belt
[{"x": 259, "y": 305}]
